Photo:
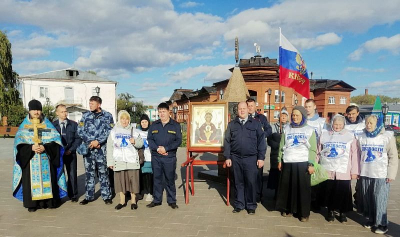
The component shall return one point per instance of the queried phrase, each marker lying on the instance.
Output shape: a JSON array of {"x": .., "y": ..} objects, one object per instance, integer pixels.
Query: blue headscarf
[{"x": 379, "y": 126}]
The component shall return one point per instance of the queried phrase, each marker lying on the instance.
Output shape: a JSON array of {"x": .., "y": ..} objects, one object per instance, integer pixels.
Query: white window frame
[
  {"x": 331, "y": 100},
  {"x": 276, "y": 96},
  {"x": 45, "y": 93},
  {"x": 343, "y": 100}
]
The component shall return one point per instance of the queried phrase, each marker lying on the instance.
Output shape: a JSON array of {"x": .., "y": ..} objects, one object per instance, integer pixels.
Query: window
[
  {"x": 331, "y": 100},
  {"x": 277, "y": 96},
  {"x": 44, "y": 92},
  {"x": 276, "y": 114},
  {"x": 342, "y": 100},
  {"x": 94, "y": 91}
]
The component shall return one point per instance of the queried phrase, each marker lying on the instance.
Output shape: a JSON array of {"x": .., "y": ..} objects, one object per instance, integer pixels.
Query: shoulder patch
[
  {"x": 155, "y": 131},
  {"x": 81, "y": 124},
  {"x": 173, "y": 132}
]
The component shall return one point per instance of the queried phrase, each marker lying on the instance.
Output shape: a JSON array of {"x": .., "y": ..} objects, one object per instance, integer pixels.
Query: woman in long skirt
[
  {"x": 297, "y": 153},
  {"x": 339, "y": 156},
  {"x": 379, "y": 163},
  {"x": 123, "y": 158}
]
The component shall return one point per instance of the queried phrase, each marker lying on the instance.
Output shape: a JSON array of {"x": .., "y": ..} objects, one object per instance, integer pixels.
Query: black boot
[
  {"x": 342, "y": 217},
  {"x": 330, "y": 217}
]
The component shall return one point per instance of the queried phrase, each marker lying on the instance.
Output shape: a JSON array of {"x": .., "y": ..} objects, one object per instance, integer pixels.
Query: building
[
  {"x": 391, "y": 118},
  {"x": 261, "y": 76},
  {"x": 71, "y": 87}
]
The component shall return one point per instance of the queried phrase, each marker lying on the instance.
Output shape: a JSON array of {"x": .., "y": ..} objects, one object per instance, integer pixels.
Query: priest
[{"x": 38, "y": 177}]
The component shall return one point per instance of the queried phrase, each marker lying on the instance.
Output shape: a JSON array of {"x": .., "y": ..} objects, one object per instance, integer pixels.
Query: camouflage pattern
[{"x": 96, "y": 127}]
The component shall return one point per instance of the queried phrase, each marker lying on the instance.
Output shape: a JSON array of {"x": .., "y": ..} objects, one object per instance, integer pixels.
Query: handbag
[
  {"x": 140, "y": 151},
  {"x": 319, "y": 175},
  {"x": 83, "y": 149}
]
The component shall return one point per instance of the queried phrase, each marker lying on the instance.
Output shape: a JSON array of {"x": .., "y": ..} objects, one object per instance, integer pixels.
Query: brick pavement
[{"x": 206, "y": 215}]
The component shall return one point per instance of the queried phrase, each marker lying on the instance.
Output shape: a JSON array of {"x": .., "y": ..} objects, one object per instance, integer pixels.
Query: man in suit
[{"x": 70, "y": 139}]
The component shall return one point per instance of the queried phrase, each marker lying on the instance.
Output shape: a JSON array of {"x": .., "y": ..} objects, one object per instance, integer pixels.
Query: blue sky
[{"x": 152, "y": 47}]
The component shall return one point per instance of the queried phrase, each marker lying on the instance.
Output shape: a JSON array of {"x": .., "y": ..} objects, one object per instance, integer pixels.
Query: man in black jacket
[
  {"x": 251, "y": 104},
  {"x": 244, "y": 150},
  {"x": 70, "y": 139}
]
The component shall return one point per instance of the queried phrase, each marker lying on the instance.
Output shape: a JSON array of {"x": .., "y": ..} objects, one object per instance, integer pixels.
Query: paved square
[{"x": 205, "y": 215}]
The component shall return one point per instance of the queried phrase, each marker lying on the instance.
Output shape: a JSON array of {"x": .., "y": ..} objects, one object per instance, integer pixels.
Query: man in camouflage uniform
[{"x": 94, "y": 128}]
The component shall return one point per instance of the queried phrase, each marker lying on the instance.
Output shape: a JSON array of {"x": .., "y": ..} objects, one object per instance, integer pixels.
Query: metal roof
[{"x": 64, "y": 75}]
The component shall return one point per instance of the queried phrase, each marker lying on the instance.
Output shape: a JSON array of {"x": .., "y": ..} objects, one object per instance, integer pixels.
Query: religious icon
[{"x": 208, "y": 123}]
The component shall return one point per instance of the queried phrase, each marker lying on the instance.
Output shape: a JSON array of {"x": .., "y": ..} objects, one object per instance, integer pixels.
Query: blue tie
[{"x": 63, "y": 134}]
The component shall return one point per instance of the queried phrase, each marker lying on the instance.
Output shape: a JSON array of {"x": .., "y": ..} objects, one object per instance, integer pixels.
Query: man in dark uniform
[
  {"x": 251, "y": 104},
  {"x": 71, "y": 140},
  {"x": 164, "y": 138},
  {"x": 244, "y": 149}
]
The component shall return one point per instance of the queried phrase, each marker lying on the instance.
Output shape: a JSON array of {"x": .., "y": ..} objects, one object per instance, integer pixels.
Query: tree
[
  {"x": 124, "y": 102},
  {"x": 9, "y": 95},
  {"x": 370, "y": 99}
]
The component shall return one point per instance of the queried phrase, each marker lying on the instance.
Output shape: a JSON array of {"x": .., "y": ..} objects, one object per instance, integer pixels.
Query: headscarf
[
  {"x": 303, "y": 112},
  {"x": 123, "y": 113},
  {"x": 144, "y": 117},
  {"x": 379, "y": 126}
]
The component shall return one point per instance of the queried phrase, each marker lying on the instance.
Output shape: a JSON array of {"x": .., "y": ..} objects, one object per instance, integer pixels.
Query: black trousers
[
  {"x": 245, "y": 173},
  {"x": 70, "y": 162}
]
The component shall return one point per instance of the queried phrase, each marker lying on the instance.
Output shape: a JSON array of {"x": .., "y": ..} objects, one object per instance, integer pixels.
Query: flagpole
[{"x": 279, "y": 78}]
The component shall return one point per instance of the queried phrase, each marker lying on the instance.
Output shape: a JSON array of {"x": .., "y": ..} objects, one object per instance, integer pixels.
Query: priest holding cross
[{"x": 38, "y": 178}]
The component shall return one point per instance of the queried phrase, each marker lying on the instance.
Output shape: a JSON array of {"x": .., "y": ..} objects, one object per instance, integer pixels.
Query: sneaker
[
  {"x": 368, "y": 225},
  {"x": 149, "y": 198},
  {"x": 381, "y": 230}
]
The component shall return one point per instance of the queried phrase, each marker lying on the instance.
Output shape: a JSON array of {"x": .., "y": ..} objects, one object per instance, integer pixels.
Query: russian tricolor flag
[{"x": 292, "y": 68}]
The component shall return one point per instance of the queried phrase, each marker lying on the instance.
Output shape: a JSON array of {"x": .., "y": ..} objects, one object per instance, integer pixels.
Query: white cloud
[
  {"x": 360, "y": 69},
  {"x": 137, "y": 36},
  {"x": 26, "y": 53},
  {"x": 208, "y": 73},
  {"x": 30, "y": 67},
  {"x": 390, "y": 44},
  {"x": 153, "y": 86},
  {"x": 190, "y": 4},
  {"x": 389, "y": 88},
  {"x": 163, "y": 99},
  {"x": 318, "y": 42}
]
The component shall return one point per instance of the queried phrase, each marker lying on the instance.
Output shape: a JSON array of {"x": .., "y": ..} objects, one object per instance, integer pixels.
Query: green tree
[
  {"x": 9, "y": 95},
  {"x": 370, "y": 99},
  {"x": 50, "y": 112},
  {"x": 124, "y": 102}
]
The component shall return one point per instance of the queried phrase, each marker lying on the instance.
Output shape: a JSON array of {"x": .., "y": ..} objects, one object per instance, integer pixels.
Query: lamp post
[
  {"x": 269, "y": 103},
  {"x": 97, "y": 89},
  {"x": 134, "y": 113},
  {"x": 48, "y": 106},
  {"x": 385, "y": 109},
  {"x": 174, "y": 110},
  {"x": 221, "y": 93}
]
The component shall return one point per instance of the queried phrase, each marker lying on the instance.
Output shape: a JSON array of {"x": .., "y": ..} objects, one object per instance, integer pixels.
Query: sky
[{"x": 155, "y": 46}]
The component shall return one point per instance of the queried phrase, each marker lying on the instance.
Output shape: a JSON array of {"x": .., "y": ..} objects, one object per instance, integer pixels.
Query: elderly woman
[
  {"x": 123, "y": 158},
  {"x": 273, "y": 141},
  {"x": 379, "y": 163},
  {"x": 339, "y": 156},
  {"x": 297, "y": 153}
]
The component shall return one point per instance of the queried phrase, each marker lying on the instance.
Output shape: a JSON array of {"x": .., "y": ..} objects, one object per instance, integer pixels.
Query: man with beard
[
  {"x": 354, "y": 122},
  {"x": 38, "y": 178},
  {"x": 94, "y": 128}
]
